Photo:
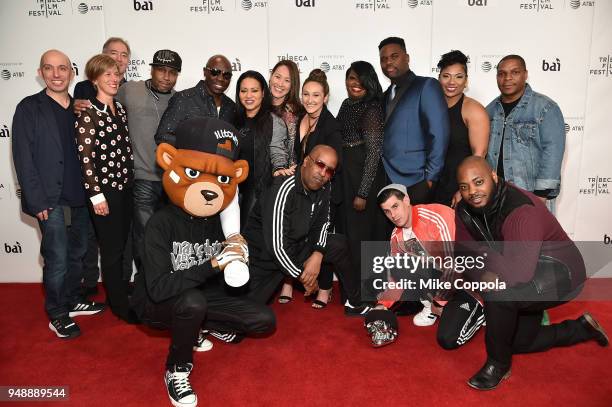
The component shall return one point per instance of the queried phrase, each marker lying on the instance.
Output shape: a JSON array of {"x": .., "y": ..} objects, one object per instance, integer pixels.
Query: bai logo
[
  {"x": 143, "y": 5},
  {"x": 75, "y": 68},
  {"x": 4, "y": 131},
  {"x": 236, "y": 65},
  {"x": 554, "y": 66},
  {"x": 305, "y": 3},
  {"x": 607, "y": 239},
  {"x": 477, "y": 3},
  {"x": 10, "y": 248}
]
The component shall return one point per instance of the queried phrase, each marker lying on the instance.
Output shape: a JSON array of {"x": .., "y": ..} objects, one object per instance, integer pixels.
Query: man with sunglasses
[
  {"x": 288, "y": 234},
  {"x": 206, "y": 99}
]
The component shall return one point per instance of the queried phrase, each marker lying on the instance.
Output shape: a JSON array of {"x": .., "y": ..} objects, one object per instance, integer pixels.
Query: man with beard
[{"x": 529, "y": 253}]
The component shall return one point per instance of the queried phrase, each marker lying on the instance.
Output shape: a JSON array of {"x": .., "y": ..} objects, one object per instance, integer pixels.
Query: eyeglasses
[
  {"x": 227, "y": 75},
  {"x": 329, "y": 171}
]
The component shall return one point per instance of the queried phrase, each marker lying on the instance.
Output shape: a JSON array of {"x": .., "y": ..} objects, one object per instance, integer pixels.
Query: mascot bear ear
[
  {"x": 241, "y": 168},
  {"x": 165, "y": 154}
]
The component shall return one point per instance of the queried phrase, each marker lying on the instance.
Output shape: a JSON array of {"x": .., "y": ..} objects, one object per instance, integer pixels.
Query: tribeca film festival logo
[
  {"x": 435, "y": 69},
  {"x": 576, "y": 4},
  {"x": 47, "y": 8},
  {"x": 9, "y": 70},
  {"x": 330, "y": 63},
  {"x": 596, "y": 185},
  {"x": 537, "y": 5},
  {"x": 133, "y": 69},
  {"x": 208, "y": 7},
  {"x": 602, "y": 66},
  {"x": 304, "y": 63},
  {"x": 250, "y": 4},
  {"x": 373, "y": 5}
]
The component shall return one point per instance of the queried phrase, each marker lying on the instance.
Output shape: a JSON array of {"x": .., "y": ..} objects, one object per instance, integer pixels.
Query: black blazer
[
  {"x": 38, "y": 154},
  {"x": 328, "y": 131}
]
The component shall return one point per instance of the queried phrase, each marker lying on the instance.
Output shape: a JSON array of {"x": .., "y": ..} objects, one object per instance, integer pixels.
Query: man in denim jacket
[{"x": 527, "y": 133}]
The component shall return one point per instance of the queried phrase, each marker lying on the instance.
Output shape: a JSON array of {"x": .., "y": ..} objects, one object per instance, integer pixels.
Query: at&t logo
[
  {"x": 250, "y": 4},
  {"x": 332, "y": 63},
  {"x": 6, "y": 74},
  {"x": 576, "y": 4}
]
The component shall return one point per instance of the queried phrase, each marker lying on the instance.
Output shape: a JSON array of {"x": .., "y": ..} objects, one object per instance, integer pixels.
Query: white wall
[{"x": 330, "y": 33}]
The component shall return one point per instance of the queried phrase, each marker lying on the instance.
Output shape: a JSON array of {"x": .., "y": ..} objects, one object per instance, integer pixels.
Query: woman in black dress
[
  {"x": 469, "y": 123},
  {"x": 362, "y": 119}
]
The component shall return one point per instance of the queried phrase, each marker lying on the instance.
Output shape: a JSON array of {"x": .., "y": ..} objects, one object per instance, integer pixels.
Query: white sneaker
[
  {"x": 425, "y": 317},
  {"x": 178, "y": 386},
  {"x": 203, "y": 344}
]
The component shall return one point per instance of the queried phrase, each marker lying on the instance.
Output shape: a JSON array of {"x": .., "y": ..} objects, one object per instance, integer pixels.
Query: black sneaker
[
  {"x": 227, "y": 337},
  {"x": 356, "y": 311},
  {"x": 64, "y": 327},
  {"x": 86, "y": 308},
  {"x": 178, "y": 386}
]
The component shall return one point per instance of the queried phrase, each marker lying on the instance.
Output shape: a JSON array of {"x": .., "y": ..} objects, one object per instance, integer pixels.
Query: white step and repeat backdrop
[{"x": 567, "y": 45}]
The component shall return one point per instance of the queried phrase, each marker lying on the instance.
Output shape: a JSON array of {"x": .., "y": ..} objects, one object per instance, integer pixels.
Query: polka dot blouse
[{"x": 104, "y": 148}]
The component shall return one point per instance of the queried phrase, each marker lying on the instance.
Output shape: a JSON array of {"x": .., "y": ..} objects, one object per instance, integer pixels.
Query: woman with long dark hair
[
  {"x": 469, "y": 124},
  {"x": 285, "y": 88},
  {"x": 362, "y": 119},
  {"x": 262, "y": 137}
]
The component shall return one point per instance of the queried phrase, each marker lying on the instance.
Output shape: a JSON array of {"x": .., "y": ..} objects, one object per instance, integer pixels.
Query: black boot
[
  {"x": 489, "y": 376},
  {"x": 593, "y": 327}
]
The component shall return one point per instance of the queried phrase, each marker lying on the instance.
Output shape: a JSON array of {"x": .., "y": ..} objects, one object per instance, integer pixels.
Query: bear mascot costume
[{"x": 188, "y": 263}]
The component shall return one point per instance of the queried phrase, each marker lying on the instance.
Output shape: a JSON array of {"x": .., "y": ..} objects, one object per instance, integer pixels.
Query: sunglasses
[
  {"x": 214, "y": 72},
  {"x": 329, "y": 171}
]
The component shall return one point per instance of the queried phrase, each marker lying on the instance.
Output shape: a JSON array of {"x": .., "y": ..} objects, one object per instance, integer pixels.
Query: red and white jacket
[{"x": 430, "y": 223}]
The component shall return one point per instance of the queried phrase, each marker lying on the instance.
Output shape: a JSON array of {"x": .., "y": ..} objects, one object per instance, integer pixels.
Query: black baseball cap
[
  {"x": 166, "y": 57},
  {"x": 208, "y": 135}
]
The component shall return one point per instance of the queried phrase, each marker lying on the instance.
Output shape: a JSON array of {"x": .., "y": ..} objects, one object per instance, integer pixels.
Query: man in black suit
[{"x": 48, "y": 170}]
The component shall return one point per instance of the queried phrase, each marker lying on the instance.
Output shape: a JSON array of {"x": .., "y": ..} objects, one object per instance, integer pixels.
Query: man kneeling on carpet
[
  {"x": 527, "y": 252},
  {"x": 423, "y": 230},
  {"x": 186, "y": 257}
]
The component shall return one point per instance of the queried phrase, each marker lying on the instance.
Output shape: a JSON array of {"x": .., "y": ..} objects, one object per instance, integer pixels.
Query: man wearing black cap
[{"x": 146, "y": 102}]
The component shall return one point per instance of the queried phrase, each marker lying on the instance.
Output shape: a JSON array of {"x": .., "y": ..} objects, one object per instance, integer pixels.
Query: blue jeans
[
  {"x": 62, "y": 248},
  {"x": 147, "y": 200}
]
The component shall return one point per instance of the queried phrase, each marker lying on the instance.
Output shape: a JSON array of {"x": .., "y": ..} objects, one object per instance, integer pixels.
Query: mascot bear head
[{"x": 201, "y": 173}]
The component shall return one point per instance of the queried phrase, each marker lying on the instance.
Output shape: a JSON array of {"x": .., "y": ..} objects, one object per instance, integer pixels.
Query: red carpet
[{"x": 315, "y": 358}]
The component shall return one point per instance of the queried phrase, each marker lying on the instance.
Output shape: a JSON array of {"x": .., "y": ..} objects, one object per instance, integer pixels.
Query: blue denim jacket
[{"x": 534, "y": 141}]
